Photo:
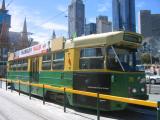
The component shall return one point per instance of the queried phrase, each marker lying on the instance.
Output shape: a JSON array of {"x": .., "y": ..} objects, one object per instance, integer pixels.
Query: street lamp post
[{"x": 150, "y": 54}]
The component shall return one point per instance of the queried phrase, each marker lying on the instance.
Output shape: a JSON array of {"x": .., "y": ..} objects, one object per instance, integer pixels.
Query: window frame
[
  {"x": 92, "y": 58},
  {"x": 62, "y": 60}
]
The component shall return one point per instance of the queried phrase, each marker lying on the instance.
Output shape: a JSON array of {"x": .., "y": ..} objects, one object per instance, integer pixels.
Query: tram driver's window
[
  {"x": 58, "y": 61},
  {"x": 91, "y": 58},
  {"x": 46, "y": 62}
]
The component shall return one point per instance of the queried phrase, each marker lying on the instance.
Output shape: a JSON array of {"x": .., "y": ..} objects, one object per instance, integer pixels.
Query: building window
[
  {"x": 46, "y": 63},
  {"x": 58, "y": 61},
  {"x": 91, "y": 58}
]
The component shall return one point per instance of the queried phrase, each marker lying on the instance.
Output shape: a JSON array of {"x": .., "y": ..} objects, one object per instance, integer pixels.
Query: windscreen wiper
[{"x": 118, "y": 58}]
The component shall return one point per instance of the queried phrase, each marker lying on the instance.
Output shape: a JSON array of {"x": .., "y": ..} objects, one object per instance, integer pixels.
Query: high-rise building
[
  {"x": 149, "y": 24},
  {"x": 90, "y": 28},
  {"x": 124, "y": 15},
  {"x": 5, "y": 22},
  {"x": 76, "y": 18},
  {"x": 103, "y": 25}
]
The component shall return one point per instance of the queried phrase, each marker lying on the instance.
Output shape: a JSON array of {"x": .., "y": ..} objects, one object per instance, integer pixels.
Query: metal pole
[
  {"x": 29, "y": 90},
  {"x": 11, "y": 86},
  {"x": 149, "y": 86},
  {"x": 6, "y": 84},
  {"x": 1, "y": 83},
  {"x": 64, "y": 99},
  {"x": 19, "y": 86},
  {"x": 151, "y": 57},
  {"x": 98, "y": 107},
  {"x": 43, "y": 95},
  {"x": 158, "y": 110}
]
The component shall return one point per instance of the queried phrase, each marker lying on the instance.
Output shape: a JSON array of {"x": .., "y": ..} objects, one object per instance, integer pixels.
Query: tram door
[{"x": 35, "y": 70}]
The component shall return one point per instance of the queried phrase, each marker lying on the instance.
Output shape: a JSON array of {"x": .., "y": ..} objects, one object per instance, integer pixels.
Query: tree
[{"x": 145, "y": 58}]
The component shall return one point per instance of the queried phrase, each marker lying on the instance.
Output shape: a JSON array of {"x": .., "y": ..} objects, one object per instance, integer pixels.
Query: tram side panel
[
  {"x": 17, "y": 71},
  {"x": 91, "y": 82}
]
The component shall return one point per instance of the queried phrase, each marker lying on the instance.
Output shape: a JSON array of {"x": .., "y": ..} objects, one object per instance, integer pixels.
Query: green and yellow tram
[{"x": 103, "y": 63}]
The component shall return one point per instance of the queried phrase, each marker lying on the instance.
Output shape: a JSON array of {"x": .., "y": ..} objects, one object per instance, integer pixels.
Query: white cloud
[
  {"x": 140, "y": 4},
  {"x": 92, "y": 20},
  {"x": 104, "y": 7},
  {"x": 55, "y": 26},
  {"x": 41, "y": 27},
  {"x": 17, "y": 19},
  {"x": 62, "y": 8},
  {"x": 41, "y": 36}
]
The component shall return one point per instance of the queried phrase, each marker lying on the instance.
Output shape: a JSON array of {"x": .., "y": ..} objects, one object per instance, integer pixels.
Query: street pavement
[{"x": 15, "y": 107}]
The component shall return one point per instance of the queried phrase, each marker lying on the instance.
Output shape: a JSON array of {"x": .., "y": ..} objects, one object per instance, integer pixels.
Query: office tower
[
  {"x": 124, "y": 15},
  {"x": 76, "y": 18},
  {"x": 149, "y": 24},
  {"x": 90, "y": 28},
  {"x": 103, "y": 25}
]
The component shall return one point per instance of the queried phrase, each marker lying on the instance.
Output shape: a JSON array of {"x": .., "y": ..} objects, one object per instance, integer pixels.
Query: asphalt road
[{"x": 153, "y": 89}]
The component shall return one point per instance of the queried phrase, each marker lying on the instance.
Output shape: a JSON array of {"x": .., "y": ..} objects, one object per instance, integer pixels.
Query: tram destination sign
[{"x": 34, "y": 50}]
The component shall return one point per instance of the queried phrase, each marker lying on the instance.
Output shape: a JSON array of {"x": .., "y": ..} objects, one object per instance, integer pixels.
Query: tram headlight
[
  {"x": 142, "y": 89},
  {"x": 134, "y": 90}
]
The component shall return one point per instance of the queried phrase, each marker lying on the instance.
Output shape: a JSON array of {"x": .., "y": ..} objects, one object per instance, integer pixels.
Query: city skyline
[{"x": 42, "y": 20}]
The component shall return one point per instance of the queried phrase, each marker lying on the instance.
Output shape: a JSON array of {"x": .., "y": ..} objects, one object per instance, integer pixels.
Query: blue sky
[{"x": 45, "y": 15}]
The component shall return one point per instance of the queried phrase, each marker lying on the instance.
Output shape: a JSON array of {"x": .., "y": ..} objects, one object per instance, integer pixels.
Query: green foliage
[{"x": 145, "y": 58}]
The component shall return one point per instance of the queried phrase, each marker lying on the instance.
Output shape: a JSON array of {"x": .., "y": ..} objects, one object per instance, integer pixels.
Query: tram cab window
[
  {"x": 91, "y": 58},
  {"x": 58, "y": 61},
  {"x": 46, "y": 63},
  {"x": 121, "y": 59}
]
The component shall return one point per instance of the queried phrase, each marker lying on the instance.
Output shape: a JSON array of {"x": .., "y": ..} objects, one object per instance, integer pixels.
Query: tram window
[
  {"x": 91, "y": 58},
  {"x": 24, "y": 64},
  {"x": 47, "y": 57},
  {"x": 46, "y": 64},
  {"x": 58, "y": 61},
  {"x": 11, "y": 65},
  {"x": 126, "y": 59},
  {"x": 14, "y": 65},
  {"x": 19, "y": 65}
]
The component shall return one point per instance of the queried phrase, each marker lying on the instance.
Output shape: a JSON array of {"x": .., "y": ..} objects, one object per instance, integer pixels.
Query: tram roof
[
  {"x": 109, "y": 38},
  {"x": 102, "y": 39}
]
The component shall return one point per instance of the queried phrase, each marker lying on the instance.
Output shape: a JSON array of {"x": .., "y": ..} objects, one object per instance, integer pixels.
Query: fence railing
[{"x": 84, "y": 93}]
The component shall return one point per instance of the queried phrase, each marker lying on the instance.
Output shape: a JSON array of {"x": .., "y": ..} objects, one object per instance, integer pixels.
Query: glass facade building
[
  {"x": 124, "y": 15},
  {"x": 5, "y": 24},
  {"x": 76, "y": 18},
  {"x": 90, "y": 28},
  {"x": 103, "y": 25}
]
